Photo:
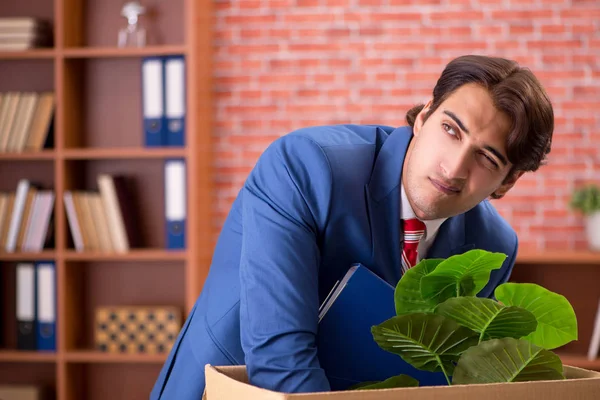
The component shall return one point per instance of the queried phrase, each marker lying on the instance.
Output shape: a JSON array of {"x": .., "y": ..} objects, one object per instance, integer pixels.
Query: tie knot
[{"x": 414, "y": 229}]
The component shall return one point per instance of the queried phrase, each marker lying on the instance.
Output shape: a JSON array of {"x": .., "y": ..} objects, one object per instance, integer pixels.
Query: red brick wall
[{"x": 285, "y": 64}]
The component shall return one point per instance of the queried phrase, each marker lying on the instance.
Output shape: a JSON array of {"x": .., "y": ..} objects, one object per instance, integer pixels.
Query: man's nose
[{"x": 456, "y": 164}]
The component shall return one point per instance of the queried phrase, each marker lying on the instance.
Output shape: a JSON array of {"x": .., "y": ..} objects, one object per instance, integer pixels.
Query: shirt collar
[{"x": 406, "y": 212}]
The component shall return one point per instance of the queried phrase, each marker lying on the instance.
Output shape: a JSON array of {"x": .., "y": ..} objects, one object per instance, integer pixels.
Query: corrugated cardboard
[{"x": 231, "y": 383}]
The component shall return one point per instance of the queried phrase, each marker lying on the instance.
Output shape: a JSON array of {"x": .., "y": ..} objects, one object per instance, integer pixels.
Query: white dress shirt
[{"x": 431, "y": 226}]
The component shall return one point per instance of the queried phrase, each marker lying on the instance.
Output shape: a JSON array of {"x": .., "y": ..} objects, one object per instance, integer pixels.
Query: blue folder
[
  {"x": 153, "y": 101},
  {"x": 46, "y": 307},
  {"x": 347, "y": 351}
]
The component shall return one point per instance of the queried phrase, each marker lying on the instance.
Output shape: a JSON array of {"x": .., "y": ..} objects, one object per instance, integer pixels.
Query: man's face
[{"x": 457, "y": 157}]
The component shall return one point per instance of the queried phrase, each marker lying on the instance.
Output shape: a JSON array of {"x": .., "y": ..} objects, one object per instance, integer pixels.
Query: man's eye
[
  {"x": 490, "y": 161},
  {"x": 449, "y": 129}
]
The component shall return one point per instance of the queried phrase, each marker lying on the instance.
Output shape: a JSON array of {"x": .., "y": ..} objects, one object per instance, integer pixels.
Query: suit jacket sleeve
[
  {"x": 285, "y": 204},
  {"x": 502, "y": 275},
  {"x": 509, "y": 266}
]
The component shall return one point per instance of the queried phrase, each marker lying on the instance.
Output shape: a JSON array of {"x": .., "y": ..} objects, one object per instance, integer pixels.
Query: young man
[{"x": 320, "y": 199}]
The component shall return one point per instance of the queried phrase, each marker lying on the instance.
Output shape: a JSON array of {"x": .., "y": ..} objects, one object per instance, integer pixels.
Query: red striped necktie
[{"x": 414, "y": 230}]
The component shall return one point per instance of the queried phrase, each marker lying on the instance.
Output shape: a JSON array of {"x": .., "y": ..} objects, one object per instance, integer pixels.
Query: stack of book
[
  {"x": 24, "y": 33},
  {"x": 105, "y": 220},
  {"x": 26, "y": 120},
  {"x": 26, "y": 218}
]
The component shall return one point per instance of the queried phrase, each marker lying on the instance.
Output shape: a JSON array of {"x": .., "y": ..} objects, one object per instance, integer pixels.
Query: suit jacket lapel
[
  {"x": 450, "y": 239},
  {"x": 382, "y": 195}
]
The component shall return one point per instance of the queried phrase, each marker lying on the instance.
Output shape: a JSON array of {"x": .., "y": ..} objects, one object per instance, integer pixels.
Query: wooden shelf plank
[
  {"x": 27, "y": 54},
  {"x": 29, "y": 155},
  {"x": 112, "y": 52},
  {"x": 580, "y": 361},
  {"x": 558, "y": 257},
  {"x": 43, "y": 255},
  {"x": 26, "y": 356},
  {"x": 125, "y": 153},
  {"x": 98, "y": 357},
  {"x": 133, "y": 255}
]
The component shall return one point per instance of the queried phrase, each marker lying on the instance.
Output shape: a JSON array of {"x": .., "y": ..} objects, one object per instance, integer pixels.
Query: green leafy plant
[
  {"x": 442, "y": 326},
  {"x": 586, "y": 199}
]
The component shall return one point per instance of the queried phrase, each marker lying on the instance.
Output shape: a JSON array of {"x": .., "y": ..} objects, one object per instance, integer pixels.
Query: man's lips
[{"x": 444, "y": 188}]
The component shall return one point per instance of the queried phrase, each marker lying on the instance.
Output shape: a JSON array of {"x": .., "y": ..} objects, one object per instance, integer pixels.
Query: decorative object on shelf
[
  {"x": 133, "y": 35},
  {"x": 136, "y": 329},
  {"x": 586, "y": 200}
]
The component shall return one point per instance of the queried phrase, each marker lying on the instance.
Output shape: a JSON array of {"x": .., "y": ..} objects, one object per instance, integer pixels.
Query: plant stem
[{"x": 443, "y": 370}]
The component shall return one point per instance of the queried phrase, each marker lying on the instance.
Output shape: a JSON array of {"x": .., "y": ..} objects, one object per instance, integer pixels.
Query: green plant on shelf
[
  {"x": 442, "y": 326},
  {"x": 586, "y": 199}
]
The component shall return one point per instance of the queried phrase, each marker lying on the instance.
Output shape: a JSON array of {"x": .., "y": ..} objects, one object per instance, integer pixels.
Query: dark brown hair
[{"x": 516, "y": 92}]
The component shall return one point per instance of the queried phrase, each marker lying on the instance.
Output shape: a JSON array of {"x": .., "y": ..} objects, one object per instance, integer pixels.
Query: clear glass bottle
[{"x": 133, "y": 35}]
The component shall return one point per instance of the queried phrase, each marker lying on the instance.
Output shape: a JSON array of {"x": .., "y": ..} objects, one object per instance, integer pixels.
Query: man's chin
[{"x": 428, "y": 210}]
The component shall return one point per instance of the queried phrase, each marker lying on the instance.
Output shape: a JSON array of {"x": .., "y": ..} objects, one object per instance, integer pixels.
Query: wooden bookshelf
[
  {"x": 573, "y": 274},
  {"x": 98, "y": 129},
  {"x": 19, "y": 256},
  {"x": 580, "y": 361},
  {"x": 559, "y": 257},
  {"x": 116, "y": 153},
  {"x": 96, "y": 357},
  {"x": 29, "y": 155},
  {"x": 27, "y": 54},
  {"x": 27, "y": 356},
  {"x": 112, "y": 52},
  {"x": 133, "y": 255}
]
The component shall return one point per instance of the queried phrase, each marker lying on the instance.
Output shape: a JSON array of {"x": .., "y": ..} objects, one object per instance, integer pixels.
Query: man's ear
[
  {"x": 420, "y": 120},
  {"x": 508, "y": 183}
]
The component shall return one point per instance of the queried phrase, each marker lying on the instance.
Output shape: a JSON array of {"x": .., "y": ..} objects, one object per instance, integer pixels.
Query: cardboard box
[{"x": 231, "y": 383}]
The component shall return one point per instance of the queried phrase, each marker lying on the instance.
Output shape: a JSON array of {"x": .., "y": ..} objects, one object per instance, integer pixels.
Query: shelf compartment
[
  {"x": 96, "y": 23},
  {"x": 123, "y": 152},
  {"x": 27, "y": 75},
  {"x": 145, "y": 184},
  {"x": 157, "y": 255},
  {"x": 95, "y": 381},
  {"x": 95, "y": 357},
  {"x": 42, "y": 375},
  {"x": 115, "y": 52},
  {"x": 102, "y": 115},
  {"x": 41, "y": 172},
  {"x": 44, "y": 10},
  {"x": 105, "y": 283}
]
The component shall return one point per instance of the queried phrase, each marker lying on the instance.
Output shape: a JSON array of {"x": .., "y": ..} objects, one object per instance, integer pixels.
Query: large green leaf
[
  {"x": 429, "y": 342},
  {"x": 557, "y": 323},
  {"x": 461, "y": 275},
  {"x": 392, "y": 382},
  {"x": 507, "y": 360},
  {"x": 407, "y": 296},
  {"x": 489, "y": 318}
]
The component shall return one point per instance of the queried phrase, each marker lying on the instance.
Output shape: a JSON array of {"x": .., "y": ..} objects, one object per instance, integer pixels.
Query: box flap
[
  {"x": 231, "y": 383},
  {"x": 579, "y": 373}
]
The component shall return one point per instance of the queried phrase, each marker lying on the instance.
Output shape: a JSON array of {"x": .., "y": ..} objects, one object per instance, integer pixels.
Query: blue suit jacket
[{"x": 318, "y": 200}]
